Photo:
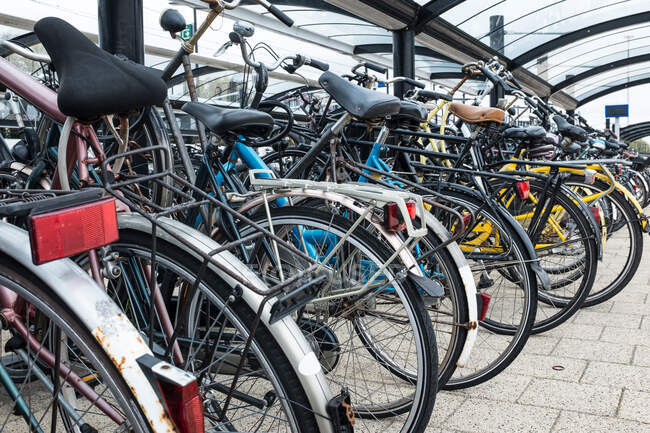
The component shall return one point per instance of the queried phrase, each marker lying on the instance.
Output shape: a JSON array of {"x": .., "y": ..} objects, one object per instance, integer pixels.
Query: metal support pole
[
  {"x": 121, "y": 28},
  {"x": 403, "y": 59},
  {"x": 497, "y": 40}
]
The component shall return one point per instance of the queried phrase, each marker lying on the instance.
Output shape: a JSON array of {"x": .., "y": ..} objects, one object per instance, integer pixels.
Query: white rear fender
[
  {"x": 92, "y": 306},
  {"x": 456, "y": 253}
]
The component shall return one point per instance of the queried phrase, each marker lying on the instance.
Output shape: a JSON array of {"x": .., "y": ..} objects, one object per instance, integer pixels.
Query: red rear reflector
[
  {"x": 485, "y": 304},
  {"x": 523, "y": 189},
  {"x": 393, "y": 218},
  {"x": 596, "y": 211},
  {"x": 70, "y": 231},
  {"x": 467, "y": 218},
  {"x": 410, "y": 206},
  {"x": 184, "y": 406}
]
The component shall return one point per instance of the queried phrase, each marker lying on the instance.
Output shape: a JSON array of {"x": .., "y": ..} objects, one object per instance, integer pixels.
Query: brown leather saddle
[{"x": 473, "y": 114}]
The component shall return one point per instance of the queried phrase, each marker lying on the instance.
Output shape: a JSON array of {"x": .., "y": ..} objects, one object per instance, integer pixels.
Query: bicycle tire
[
  {"x": 583, "y": 270},
  {"x": 183, "y": 261},
  {"x": 29, "y": 287},
  {"x": 426, "y": 377},
  {"x": 632, "y": 223},
  {"x": 463, "y": 377}
]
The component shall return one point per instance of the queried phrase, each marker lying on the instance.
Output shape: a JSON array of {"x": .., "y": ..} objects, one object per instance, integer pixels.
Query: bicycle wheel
[
  {"x": 566, "y": 246},
  {"x": 213, "y": 324},
  {"x": 375, "y": 340},
  {"x": 624, "y": 246},
  {"x": 146, "y": 130},
  {"x": 48, "y": 319},
  {"x": 500, "y": 257},
  {"x": 449, "y": 314},
  {"x": 281, "y": 161}
]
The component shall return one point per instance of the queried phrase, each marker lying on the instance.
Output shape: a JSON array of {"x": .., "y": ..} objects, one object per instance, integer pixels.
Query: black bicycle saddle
[
  {"x": 569, "y": 130},
  {"x": 361, "y": 102},
  {"x": 412, "y": 111},
  {"x": 530, "y": 133},
  {"x": 249, "y": 123},
  {"x": 92, "y": 82}
]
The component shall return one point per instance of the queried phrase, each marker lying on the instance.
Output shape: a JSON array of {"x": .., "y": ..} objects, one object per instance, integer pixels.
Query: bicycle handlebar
[
  {"x": 411, "y": 81},
  {"x": 297, "y": 60},
  {"x": 369, "y": 65},
  {"x": 24, "y": 52},
  {"x": 276, "y": 12},
  {"x": 309, "y": 61},
  {"x": 494, "y": 78}
]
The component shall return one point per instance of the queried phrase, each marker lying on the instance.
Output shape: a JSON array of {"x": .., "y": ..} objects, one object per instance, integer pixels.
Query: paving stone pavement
[{"x": 604, "y": 386}]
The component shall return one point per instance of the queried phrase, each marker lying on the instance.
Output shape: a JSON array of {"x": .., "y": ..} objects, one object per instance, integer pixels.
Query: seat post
[{"x": 62, "y": 161}]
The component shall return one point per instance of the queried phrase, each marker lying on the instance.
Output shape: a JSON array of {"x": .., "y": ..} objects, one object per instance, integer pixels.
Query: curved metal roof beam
[
  {"x": 577, "y": 35},
  {"x": 613, "y": 89},
  {"x": 599, "y": 70}
]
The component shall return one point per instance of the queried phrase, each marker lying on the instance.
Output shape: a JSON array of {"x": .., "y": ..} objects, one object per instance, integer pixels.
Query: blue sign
[{"x": 617, "y": 110}]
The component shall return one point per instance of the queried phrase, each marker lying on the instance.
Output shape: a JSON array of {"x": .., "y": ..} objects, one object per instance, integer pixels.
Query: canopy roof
[
  {"x": 563, "y": 49},
  {"x": 569, "y": 50}
]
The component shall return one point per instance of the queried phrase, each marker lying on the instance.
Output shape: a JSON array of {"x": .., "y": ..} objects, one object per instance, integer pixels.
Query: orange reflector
[{"x": 70, "y": 231}]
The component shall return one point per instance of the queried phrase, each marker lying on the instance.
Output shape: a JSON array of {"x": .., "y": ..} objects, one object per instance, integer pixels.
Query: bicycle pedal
[
  {"x": 341, "y": 412},
  {"x": 485, "y": 282},
  {"x": 427, "y": 286},
  {"x": 296, "y": 299}
]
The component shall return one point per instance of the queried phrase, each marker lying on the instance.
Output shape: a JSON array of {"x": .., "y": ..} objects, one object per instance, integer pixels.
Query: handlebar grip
[
  {"x": 280, "y": 15},
  {"x": 494, "y": 78},
  {"x": 516, "y": 83},
  {"x": 317, "y": 64},
  {"x": 174, "y": 64},
  {"x": 375, "y": 67},
  {"x": 414, "y": 83},
  {"x": 530, "y": 102},
  {"x": 538, "y": 113}
]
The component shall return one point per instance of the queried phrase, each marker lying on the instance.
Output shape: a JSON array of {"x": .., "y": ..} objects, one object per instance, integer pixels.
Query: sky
[{"x": 83, "y": 14}]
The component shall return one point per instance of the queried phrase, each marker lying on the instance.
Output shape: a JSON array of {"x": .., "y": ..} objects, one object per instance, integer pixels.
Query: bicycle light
[
  {"x": 66, "y": 232},
  {"x": 393, "y": 219},
  {"x": 523, "y": 189}
]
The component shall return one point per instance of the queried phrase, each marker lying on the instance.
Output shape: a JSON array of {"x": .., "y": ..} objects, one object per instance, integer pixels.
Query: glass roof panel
[
  {"x": 610, "y": 76},
  {"x": 592, "y": 52},
  {"x": 589, "y": 44},
  {"x": 528, "y": 24},
  {"x": 557, "y": 73},
  {"x": 613, "y": 83}
]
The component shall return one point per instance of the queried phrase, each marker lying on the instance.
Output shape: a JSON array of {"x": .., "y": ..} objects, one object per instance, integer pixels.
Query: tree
[{"x": 640, "y": 145}]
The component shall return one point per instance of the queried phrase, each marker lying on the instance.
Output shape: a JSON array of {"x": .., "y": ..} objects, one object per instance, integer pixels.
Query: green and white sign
[{"x": 187, "y": 33}]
